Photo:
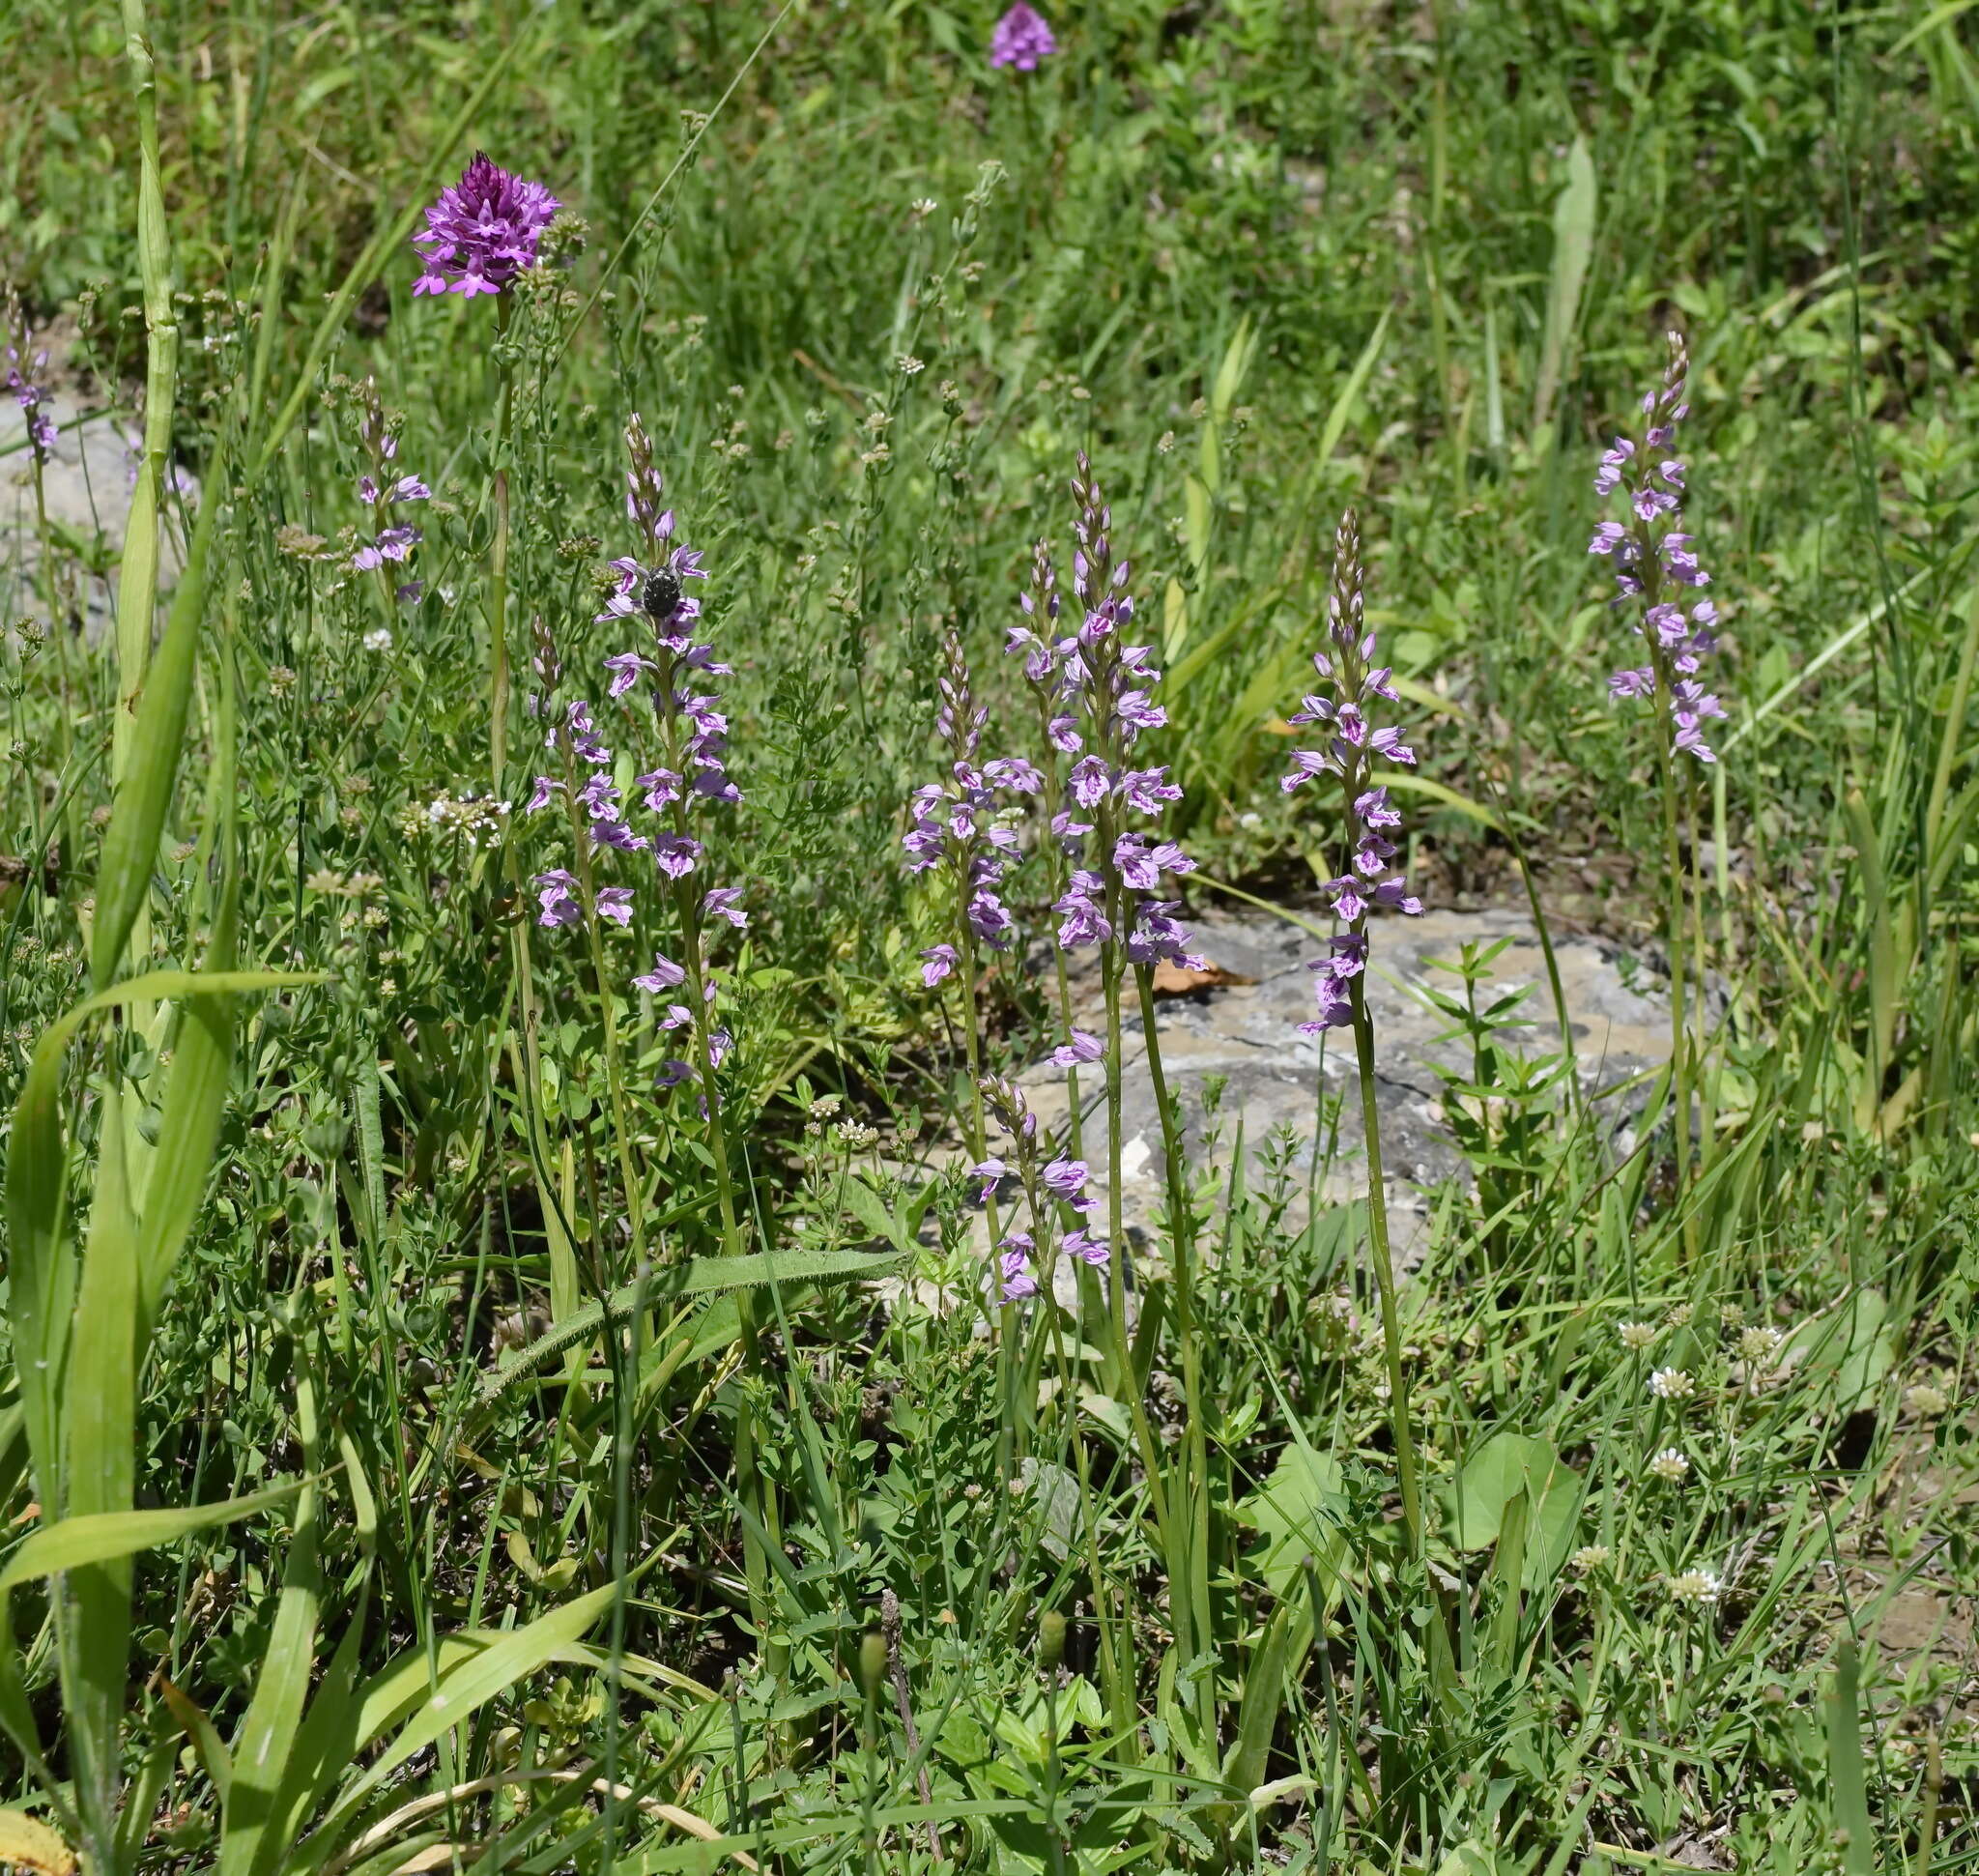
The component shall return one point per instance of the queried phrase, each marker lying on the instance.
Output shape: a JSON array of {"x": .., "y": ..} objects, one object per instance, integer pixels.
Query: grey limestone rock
[{"x": 86, "y": 484}]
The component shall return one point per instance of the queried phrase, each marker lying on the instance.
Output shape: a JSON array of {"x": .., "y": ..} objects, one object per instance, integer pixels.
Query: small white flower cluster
[
  {"x": 477, "y": 820},
  {"x": 1699, "y": 1587},
  {"x": 1757, "y": 1346},
  {"x": 1672, "y": 1384},
  {"x": 1671, "y": 1465}
]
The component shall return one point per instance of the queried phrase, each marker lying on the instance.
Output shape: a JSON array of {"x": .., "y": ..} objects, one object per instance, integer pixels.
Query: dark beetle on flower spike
[{"x": 660, "y": 597}]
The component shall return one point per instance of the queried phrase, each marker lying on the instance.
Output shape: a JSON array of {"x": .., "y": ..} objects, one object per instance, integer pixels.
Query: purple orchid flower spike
[
  {"x": 1655, "y": 564},
  {"x": 25, "y": 365},
  {"x": 1022, "y": 39},
  {"x": 1349, "y": 755},
  {"x": 483, "y": 230}
]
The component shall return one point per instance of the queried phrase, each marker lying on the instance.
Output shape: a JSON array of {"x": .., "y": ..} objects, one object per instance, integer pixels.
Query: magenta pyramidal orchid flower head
[
  {"x": 1022, "y": 39},
  {"x": 483, "y": 230}
]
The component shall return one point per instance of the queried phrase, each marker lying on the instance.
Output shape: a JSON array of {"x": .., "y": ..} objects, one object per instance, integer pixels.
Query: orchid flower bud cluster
[
  {"x": 1100, "y": 693},
  {"x": 959, "y": 826},
  {"x": 25, "y": 364},
  {"x": 380, "y": 490},
  {"x": 672, "y": 668},
  {"x": 1655, "y": 564},
  {"x": 1349, "y": 755},
  {"x": 1056, "y": 1190}
]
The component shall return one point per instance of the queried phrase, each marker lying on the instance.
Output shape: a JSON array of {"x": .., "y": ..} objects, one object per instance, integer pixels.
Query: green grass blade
[
  {"x": 1855, "y": 1836},
  {"x": 1573, "y": 245},
  {"x": 274, "y": 1714},
  {"x": 99, "y": 1476},
  {"x": 478, "y": 1676},
  {"x": 144, "y": 791},
  {"x": 76, "y": 1542}
]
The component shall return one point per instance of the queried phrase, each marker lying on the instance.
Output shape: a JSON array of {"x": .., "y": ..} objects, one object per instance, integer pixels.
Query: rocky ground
[
  {"x": 1243, "y": 1035},
  {"x": 1250, "y": 1086},
  {"x": 86, "y": 487}
]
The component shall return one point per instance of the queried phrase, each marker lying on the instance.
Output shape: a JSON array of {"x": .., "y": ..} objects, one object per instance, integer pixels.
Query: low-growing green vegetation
[{"x": 558, "y": 836}]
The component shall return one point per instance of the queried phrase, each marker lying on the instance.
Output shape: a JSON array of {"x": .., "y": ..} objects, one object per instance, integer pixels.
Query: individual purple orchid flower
[
  {"x": 1654, "y": 563},
  {"x": 1083, "y": 1048},
  {"x": 556, "y": 893},
  {"x": 665, "y": 975},
  {"x": 986, "y": 1175},
  {"x": 483, "y": 230},
  {"x": 1016, "y": 1278}
]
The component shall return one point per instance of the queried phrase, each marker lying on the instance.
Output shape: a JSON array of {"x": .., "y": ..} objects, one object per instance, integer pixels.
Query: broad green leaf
[
  {"x": 870, "y": 1210},
  {"x": 1346, "y": 400},
  {"x": 201, "y": 1732},
  {"x": 1505, "y": 1466},
  {"x": 98, "y": 1395},
  {"x": 458, "y": 1692},
  {"x": 43, "y": 1272},
  {"x": 1298, "y": 1509},
  {"x": 1853, "y": 1344},
  {"x": 1264, "y": 1693}
]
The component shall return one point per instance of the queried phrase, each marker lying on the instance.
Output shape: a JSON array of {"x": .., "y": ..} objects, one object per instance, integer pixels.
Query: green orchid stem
[
  {"x": 1383, "y": 1261},
  {"x": 1191, "y": 1515},
  {"x": 497, "y": 564}
]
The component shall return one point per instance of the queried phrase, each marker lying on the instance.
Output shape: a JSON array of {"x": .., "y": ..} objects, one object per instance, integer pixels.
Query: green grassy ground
[{"x": 576, "y": 1558}]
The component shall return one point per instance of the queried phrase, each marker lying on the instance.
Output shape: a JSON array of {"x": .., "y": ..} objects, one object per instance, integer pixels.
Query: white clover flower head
[
  {"x": 1671, "y": 1465},
  {"x": 1672, "y": 1384},
  {"x": 1926, "y": 1400},
  {"x": 1677, "y": 1315},
  {"x": 1588, "y": 1558},
  {"x": 1759, "y": 1345},
  {"x": 1699, "y": 1588},
  {"x": 1637, "y": 1335}
]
